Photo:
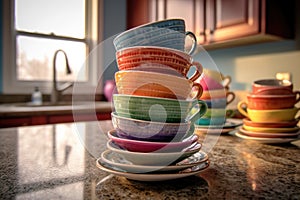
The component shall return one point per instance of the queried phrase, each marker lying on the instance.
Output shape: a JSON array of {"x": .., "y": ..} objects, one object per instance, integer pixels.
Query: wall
[
  {"x": 114, "y": 23},
  {"x": 248, "y": 63}
]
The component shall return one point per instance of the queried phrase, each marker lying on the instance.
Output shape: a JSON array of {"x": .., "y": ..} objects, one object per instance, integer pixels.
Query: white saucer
[
  {"x": 267, "y": 140},
  {"x": 155, "y": 158},
  {"x": 153, "y": 176},
  {"x": 119, "y": 161}
]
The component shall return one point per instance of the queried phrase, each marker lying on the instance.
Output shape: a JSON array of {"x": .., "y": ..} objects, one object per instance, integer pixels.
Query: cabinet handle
[
  {"x": 211, "y": 31},
  {"x": 202, "y": 33}
]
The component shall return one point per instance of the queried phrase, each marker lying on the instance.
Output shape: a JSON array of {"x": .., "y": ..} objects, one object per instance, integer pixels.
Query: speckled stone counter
[{"x": 58, "y": 162}]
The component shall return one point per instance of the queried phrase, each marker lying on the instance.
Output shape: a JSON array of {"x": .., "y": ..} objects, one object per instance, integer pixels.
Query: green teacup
[
  {"x": 218, "y": 112},
  {"x": 158, "y": 109}
]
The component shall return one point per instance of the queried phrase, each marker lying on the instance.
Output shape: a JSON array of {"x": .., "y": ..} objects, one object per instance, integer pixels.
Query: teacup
[
  {"x": 158, "y": 109},
  {"x": 216, "y": 94},
  {"x": 272, "y": 87},
  {"x": 217, "y": 112},
  {"x": 211, "y": 121},
  {"x": 274, "y": 115},
  {"x": 142, "y": 83},
  {"x": 168, "y": 33},
  {"x": 268, "y": 102},
  {"x": 158, "y": 59},
  {"x": 148, "y": 130},
  {"x": 219, "y": 102},
  {"x": 216, "y": 103},
  {"x": 218, "y": 76},
  {"x": 209, "y": 83}
]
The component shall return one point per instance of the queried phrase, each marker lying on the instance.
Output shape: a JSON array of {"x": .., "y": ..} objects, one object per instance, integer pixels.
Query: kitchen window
[{"x": 35, "y": 29}]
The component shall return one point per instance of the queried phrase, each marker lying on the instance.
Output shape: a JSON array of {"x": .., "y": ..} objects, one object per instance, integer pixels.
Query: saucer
[
  {"x": 146, "y": 146},
  {"x": 213, "y": 130},
  {"x": 271, "y": 130},
  {"x": 268, "y": 135},
  {"x": 229, "y": 124},
  {"x": 266, "y": 140},
  {"x": 119, "y": 161},
  {"x": 282, "y": 124},
  {"x": 154, "y": 158},
  {"x": 152, "y": 176}
]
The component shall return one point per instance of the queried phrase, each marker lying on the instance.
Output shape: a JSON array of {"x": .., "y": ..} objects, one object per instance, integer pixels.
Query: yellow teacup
[
  {"x": 218, "y": 76},
  {"x": 267, "y": 115}
]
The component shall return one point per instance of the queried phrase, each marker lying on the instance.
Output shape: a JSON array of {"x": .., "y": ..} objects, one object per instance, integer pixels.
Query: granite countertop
[
  {"x": 58, "y": 162},
  {"x": 25, "y": 109}
]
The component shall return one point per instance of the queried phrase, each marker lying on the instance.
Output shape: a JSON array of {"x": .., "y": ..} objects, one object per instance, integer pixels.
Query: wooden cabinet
[
  {"x": 192, "y": 11},
  {"x": 218, "y": 23},
  {"x": 230, "y": 19}
]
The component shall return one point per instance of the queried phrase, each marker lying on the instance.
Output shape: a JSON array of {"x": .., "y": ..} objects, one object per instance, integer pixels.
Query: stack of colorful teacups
[
  {"x": 153, "y": 124},
  {"x": 270, "y": 111},
  {"x": 217, "y": 96}
]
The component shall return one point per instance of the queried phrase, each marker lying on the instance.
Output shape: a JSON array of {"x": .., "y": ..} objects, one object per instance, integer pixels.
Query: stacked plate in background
[
  {"x": 271, "y": 112},
  {"x": 217, "y": 96}
]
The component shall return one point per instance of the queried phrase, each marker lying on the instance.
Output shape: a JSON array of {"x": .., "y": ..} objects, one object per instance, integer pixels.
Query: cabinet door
[
  {"x": 229, "y": 19},
  {"x": 192, "y": 11}
]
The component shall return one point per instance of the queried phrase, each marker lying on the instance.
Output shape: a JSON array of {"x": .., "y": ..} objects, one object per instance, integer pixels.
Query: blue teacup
[
  {"x": 168, "y": 33},
  {"x": 216, "y": 103},
  {"x": 211, "y": 121}
]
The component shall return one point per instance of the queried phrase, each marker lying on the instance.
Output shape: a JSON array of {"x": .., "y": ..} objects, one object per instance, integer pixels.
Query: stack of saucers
[
  {"x": 153, "y": 136},
  {"x": 217, "y": 96},
  {"x": 271, "y": 112}
]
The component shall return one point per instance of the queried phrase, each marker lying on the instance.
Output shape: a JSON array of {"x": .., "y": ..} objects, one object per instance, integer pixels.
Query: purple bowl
[
  {"x": 148, "y": 130},
  {"x": 146, "y": 146}
]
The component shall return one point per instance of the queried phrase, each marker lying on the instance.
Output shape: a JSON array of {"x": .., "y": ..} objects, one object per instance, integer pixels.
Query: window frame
[{"x": 93, "y": 30}]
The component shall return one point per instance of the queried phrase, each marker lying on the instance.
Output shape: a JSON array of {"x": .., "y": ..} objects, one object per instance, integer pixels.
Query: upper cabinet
[
  {"x": 230, "y": 19},
  {"x": 223, "y": 23}
]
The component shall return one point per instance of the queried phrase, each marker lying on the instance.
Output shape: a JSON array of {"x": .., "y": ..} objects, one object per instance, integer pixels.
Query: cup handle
[
  {"x": 200, "y": 111},
  {"x": 198, "y": 72},
  {"x": 229, "y": 94},
  {"x": 241, "y": 109},
  {"x": 226, "y": 81},
  {"x": 199, "y": 90},
  {"x": 229, "y": 113},
  {"x": 192, "y": 35},
  {"x": 297, "y": 96},
  {"x": 296, "y": 115}
]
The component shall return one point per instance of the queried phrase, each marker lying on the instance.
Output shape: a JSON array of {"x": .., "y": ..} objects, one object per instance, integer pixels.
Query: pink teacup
[{"x": 209, "y": 83}]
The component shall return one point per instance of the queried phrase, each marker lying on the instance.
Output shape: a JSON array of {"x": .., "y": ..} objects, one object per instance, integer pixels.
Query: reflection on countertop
[{"x": 58, "y": 162}]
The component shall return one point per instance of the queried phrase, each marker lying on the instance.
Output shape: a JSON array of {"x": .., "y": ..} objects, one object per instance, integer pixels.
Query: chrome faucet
[{"x": 56, "y": 91}]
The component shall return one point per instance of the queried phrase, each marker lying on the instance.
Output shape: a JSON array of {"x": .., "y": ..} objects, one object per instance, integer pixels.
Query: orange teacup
[
  {"x": 141, "y": 83},
  {"x": 272, "y": 87},
  {"x": 158, "y": 59}
]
